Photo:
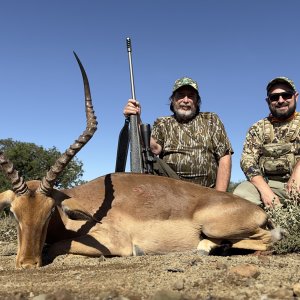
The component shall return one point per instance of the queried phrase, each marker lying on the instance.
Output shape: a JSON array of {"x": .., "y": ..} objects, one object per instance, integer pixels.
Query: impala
[{"x": 126, "y": 213}]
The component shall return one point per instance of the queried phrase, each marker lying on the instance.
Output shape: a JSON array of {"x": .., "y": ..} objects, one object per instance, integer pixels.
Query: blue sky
[{"x": 231, "y": 47}]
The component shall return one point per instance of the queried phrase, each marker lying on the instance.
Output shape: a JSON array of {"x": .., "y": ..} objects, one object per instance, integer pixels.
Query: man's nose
[{"x": 280, "y": 99}]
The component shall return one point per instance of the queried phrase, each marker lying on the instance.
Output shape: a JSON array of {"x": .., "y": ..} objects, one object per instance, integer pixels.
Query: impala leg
[
  {"x": 83, "y": 245},
  {"x": 93, "y": 244},
  {"x": 261, "y": 240},
  {"x": 205, "y": 246},
  {"x": 258, "y": 245}
]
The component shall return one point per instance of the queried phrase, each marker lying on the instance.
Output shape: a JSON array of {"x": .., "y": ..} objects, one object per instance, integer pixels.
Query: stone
[{"x": 245, "y": 270}]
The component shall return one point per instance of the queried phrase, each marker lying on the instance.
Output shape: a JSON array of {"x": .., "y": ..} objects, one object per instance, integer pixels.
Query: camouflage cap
[
  {"x": 281, "y": 80},
  {"x": 185, "y": 81}
]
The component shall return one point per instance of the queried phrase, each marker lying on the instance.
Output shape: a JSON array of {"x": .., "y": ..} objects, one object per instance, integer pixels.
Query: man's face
[
  {"x": 282, "y": 101},
  {"x": 185, "y": 103}
]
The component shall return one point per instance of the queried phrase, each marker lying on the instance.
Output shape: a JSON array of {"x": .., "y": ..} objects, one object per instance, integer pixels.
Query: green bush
[{"x": 232, "y": 185}]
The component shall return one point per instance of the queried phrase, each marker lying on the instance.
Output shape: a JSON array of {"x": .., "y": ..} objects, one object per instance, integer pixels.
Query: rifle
[
  {"x": 130, "y": 131},
  {"x": 136, "y": 164},
  {"x": 123, "y": 145},
  {"x": 148, "y": 157},
  {"x": 141, "y": 160}
]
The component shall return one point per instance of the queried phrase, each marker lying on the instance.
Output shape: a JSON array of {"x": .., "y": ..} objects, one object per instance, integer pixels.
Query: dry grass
[{"x": 8, "y": 228}]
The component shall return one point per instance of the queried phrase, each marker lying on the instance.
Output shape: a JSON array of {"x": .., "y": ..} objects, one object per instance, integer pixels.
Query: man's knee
[
  {"x": 279, "y": 189},
  {"x": 248, "y": 191}
]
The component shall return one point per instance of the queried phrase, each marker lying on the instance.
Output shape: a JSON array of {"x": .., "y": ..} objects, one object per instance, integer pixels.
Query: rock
[
  {"x": 245, "y": 270},
  {"x": 58, "y": 295},
  {"x": 63, "y": 295},
  {"x": 44, "y": 297},
  {"x": 264, "y": 259},
  {"x": 296, "y": 289},
  {"x": 166, "y": 295},
  {"x": 194, "y": 261},
  {"x": 111, "y": 295},
  {"x": 179, "y": 285},
  {"x": 283, "y": 293},
  {"x": 221, "y": 266},
  {"x": 19, "y": 296}
]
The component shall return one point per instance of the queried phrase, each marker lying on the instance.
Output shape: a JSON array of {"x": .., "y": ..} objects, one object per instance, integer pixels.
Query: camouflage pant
[{"x": 248, "y": 191}]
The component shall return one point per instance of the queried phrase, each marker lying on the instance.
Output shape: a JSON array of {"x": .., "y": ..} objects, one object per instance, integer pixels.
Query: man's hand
[
  {"x": 270, "y": 199},
  {"x": 132, "y": 108}
]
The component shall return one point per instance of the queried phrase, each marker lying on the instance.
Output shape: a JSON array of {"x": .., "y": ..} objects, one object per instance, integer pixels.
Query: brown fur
[{"x": 126, "y": 211}]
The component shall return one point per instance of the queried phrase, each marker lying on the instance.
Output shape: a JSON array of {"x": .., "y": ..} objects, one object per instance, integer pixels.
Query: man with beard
[
  {"x": 194, "y": 144},
  {"x": 271, "y": 149}
]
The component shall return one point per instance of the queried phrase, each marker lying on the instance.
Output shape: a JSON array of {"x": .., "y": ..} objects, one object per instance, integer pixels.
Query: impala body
[
  {"x": 132, "y": 214},
  {"x": 125, "y": 213}
]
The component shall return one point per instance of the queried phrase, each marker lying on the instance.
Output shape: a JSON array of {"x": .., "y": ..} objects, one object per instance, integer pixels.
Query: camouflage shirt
[
  {"x": 255, "y": 139},
  {"x": 193, "y": 149}
]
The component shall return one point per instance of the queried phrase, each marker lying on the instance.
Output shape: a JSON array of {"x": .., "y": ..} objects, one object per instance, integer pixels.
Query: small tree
[
  {"x": 232, "y": 185},
  {"x": 32, "y": 162}
]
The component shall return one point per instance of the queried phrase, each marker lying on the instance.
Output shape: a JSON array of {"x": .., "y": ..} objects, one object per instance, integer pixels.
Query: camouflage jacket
[
  {"x": 257, "y": 138},
  {"x": 193, "y": 149}
]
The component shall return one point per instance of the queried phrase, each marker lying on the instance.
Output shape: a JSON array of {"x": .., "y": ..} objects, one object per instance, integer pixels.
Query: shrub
[{"x": 288, "y": 218}]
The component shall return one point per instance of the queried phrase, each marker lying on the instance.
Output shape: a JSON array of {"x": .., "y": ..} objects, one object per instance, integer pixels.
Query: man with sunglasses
[
  {"x": 271, "y": 149},
  {"x": 193, "y": 145}
]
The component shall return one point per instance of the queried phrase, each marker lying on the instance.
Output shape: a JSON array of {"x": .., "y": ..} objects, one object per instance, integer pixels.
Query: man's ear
[
  {"x": 75, "y": 211},
  {"x": 6, "y": 199},
  {"x": 296, "y": 96}
]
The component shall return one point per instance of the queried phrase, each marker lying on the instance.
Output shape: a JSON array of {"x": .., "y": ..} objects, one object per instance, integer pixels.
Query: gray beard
[{"x": 184, "y": 115}]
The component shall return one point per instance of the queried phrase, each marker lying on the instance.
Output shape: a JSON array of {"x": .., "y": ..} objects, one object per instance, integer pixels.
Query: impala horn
[
  {"x": 19, "y": 185},
  {"x": 48, "y": 181}
]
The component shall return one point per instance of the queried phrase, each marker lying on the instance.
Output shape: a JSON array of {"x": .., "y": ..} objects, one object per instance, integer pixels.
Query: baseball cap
[
  {"x": 281, "y": 80},
  {"x": 185, "y": 81}
]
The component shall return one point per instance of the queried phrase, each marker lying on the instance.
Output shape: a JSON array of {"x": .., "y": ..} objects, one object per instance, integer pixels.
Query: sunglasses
[{"x": 285, "y": 96}]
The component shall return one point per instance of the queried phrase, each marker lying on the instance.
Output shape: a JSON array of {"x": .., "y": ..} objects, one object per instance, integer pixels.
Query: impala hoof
[
  {"x": 203, "y": 252},
  {"x": 137, "y": 251}
]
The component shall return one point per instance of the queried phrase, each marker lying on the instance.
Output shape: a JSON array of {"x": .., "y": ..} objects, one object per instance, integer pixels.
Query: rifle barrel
[{"x": 136, "y": 164}]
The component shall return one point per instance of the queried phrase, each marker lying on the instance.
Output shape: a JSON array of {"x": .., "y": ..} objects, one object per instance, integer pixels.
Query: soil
[{"x": 173, "y": 276}]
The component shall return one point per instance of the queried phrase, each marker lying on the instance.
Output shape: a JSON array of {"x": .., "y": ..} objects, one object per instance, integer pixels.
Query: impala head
[{"x": 31, "y": 202}]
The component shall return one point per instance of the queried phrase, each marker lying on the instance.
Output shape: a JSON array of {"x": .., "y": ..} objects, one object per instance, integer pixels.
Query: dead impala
[{"x": 125, "y": 213}]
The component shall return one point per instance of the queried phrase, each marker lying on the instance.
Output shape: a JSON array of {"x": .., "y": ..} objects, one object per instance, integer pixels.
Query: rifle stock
[
  {"x": 148, "y": 157},
  {"x": 123, "y": 145}
]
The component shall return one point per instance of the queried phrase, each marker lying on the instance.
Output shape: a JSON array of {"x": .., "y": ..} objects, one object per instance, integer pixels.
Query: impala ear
[
  {"x": 6, "y": 199},
  {"x": 75, "y": 211}
]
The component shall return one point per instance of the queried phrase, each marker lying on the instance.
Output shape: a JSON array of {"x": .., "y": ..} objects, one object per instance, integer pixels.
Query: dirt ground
[{"x": 172, "y": 276}]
